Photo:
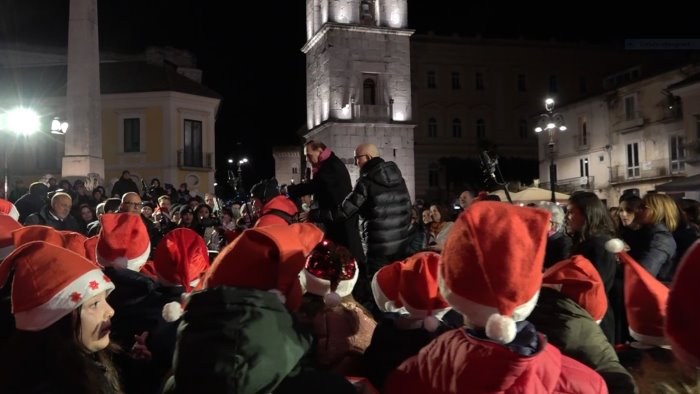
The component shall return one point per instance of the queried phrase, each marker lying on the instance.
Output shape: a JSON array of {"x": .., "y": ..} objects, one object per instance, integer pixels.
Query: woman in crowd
[
  {"x": 440, "y": 226},
  {"x": 658, "y": 218}
]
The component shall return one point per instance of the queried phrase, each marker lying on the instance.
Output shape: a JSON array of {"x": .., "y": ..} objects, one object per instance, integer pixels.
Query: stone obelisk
[{"x": 83, "y": 148}]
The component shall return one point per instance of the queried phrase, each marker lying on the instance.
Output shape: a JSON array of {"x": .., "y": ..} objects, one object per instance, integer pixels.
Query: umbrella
[{"x": 538, "y": 194}]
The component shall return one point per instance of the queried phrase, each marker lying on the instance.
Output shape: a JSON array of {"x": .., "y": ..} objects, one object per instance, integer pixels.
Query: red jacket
[
  {"x": 459, "y": 363},
  {"x": 280, "y": 203}
]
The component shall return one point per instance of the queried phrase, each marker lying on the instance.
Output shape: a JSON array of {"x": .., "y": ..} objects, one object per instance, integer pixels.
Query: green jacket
[
  {"x": 234, "y": 340},
  {"x": 574, "y": 332}
]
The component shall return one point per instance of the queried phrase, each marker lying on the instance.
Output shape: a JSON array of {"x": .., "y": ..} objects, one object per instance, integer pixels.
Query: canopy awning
[{"x": 687, "y": 184}]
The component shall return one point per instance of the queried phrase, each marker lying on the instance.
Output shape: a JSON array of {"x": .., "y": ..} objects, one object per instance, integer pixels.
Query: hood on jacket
[
  {"x": 235, "y": 340},
  {"x": 280, "y": 203},
  {"x": 385, "y": 173}
]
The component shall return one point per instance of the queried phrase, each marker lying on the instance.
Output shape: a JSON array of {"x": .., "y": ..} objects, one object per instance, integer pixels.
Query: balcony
[
  {"x": 195, "y": 162},
  {"x": 371, "y": 113},
  {"x": 647, "y": 171},
  {"x": 570, "y": 185},
  {"x": 692, "y": 151},
  {"x": 629, "y": 122}
]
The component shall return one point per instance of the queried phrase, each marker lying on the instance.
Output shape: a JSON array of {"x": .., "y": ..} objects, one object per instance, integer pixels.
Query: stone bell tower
[{"x": 358, "y": 79}]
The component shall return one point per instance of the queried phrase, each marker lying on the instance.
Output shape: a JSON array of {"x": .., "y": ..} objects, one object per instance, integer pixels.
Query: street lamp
[
  {"x": 58, "y": 127},
  {"x": 551, "y": 122}
]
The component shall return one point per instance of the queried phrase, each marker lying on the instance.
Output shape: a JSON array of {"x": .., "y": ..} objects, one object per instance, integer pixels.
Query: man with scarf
[{"x": 330, "y": 184}]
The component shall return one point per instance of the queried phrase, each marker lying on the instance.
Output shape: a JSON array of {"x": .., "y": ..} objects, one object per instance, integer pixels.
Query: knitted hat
[
  {"x": 417, "y": 288},
  {"x": 49, "y": 283},
  {"x": 90, "y": 246},
  {"x": 267, "y": 258},
  {"x": 180, "y": 259},
  {"x": 123, "y": 241},
  {"x": 9, "y": 208},
  {"x": 645, "y": 299},
  {"x": 492, "y": 263},
  {"x": 682, "y": 318},
  {"x": 577, "y": 279},
  {"x": 330, "y": 272},
  {"x": 7, "y": 225},
  {"x": 265, "y": 190}
]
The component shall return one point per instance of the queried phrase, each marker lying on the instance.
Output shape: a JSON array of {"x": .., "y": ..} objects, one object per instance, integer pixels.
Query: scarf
[{"x": 321, "y": 158}]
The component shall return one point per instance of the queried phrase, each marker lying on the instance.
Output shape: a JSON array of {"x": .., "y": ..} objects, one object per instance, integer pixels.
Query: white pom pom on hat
[
  {"x": 431, "y": 323},
  {"x": 332, "y": 299},
  {"x": 172, "y": 311},
  {"x": 501, "y": 328},
  {"x": 615, "y": 245}
]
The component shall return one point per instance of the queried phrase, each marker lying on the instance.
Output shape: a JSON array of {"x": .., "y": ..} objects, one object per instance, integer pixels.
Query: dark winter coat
[
  {"x": 381, "y": 198},
  {"x": 606, "y": 263},
  {"x": 241, "y": 341},
  {"x": 123, "y": 186},
  {"x": 44, "y": 218},
  {"x": 138, "y": 305},
  {"x": 391, "y": 346},
  {"x": 656, "y": 251},
  {"x": 29, "y": 204},
  {"x": 574, "y": 332},
  {"x": 329, "y": 186},
  {"x": 558, "y": 248}
]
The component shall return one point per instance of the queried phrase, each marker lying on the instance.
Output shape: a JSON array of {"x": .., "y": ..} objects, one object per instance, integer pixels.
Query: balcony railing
[
  {"x": 570, "y": 185},
  {"x": 629, "y": 121},
  {"x": 661, "y": 168},
  {"x": 201, "y": 162},
  {"x": 371, "y": 113}
]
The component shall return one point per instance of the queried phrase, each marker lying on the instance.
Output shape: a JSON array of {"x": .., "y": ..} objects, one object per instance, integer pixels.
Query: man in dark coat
[
  {"x": 329, "y": 186},
  {"x": 57, "y": 215},
  {"x": 31, "y": 202},
  {"x": 124, "y": 185}
]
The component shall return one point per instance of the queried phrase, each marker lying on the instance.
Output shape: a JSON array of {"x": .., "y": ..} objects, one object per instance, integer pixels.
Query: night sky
[{"x": 249, "y": 51}]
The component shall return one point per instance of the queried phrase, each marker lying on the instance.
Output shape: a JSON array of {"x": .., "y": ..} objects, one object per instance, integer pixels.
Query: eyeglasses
[{"x": 358, "y": 157}]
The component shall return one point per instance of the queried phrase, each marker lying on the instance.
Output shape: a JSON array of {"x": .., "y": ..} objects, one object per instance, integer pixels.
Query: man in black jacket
[
  {"x": 56, "y": 215},
  {"x": 329, "y": 186},
  {"x": 381, "y": 198}
]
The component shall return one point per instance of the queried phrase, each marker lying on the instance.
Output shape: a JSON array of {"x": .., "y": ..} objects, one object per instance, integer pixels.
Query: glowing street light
[
  {"x": 552, "y": 122},
  {"x": 58, "y": 127}
]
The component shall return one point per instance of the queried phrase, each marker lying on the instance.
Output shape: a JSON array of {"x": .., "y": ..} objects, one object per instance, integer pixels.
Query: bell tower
[{"x": 358, "y": 79}]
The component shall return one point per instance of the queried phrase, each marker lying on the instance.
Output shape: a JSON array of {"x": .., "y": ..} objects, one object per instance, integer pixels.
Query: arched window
[
  {"x": 369, "y": 88},
  {"x": 480, "y": 129},
  {"x": 432, "y": 128},
  {"x": 457, "y": 128}
]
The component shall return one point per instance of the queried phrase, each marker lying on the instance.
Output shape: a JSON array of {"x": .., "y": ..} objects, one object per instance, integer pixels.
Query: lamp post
[
  {"x": 551, "y": 122},
  {"x": 235, "y": 179}
]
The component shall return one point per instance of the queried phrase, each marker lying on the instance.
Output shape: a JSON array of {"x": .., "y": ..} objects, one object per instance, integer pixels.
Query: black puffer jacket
[{"x": 382, "y": 200}]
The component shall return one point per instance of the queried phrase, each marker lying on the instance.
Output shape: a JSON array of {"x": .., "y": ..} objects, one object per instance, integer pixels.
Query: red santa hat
[
  {"x": 49, "y": 283},
  {"x": 682, "y": 317},
  {"x": 645, "y": 299},
  {"x": 330, "y": 272},
  {"x": 7, "y": 225},
  {"x": 385, "y": 288},
  {"x": 31, "y": 233},
  {"x": 9, "y": 209},
  {"x": 577, "y": 279},
  {"x": 90, "y": 246},
  {"x": 123, "y": 241},
  {"x": 74, "y": 242},
  {"x": 267, "y": 258},
  {"x": 491, "y": 265},
  {"x": 417, "y": 288}
]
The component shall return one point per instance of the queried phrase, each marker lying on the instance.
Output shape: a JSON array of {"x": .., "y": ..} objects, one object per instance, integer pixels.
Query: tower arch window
[
  {"x": 369, "y": 92},
  {"x": 432, "y": 128},
  {"x": 456, "y": 128},
  {"x": 480, "y": 129}
]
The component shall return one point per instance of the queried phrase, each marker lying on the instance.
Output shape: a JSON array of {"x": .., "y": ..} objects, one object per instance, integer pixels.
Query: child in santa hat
[
  {"x": 648, "y": 357},
  {"x": 572, "y": 302},
  {"x": 237, "y": 335},
  {"x": 342, "y": 327},
  {"x": 407, "y": 291},
  {"x": 63, "y": 323},
  {"x": 490, "y": 271}
]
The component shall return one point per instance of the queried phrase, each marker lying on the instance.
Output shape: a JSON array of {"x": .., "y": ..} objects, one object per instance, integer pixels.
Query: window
[
  {"x": 523, "y": 129},
  {"x": 582, "y": 131},
  {"x": 433, "y": 176},
  {"x": 431, "y": 80},
  {"x": 583, "y": 85},
  {"x": 479, "y": 81},
  {"x": 366, "y": 12},
  {"x": 193, "y": 144},
  {"x": 677, "y": 154},
  {"x": 432, "y": 128},
  {"x": 697, "y": 126},
  {"x": 456, "y": 85},
  {"x": 295, "y": 170},
  {"x": 457, "y": 128},
  {"x": 633, "y": 160},
  {"x": 583, "y": 166},
  {"x": 480, "y": 129},
  {"x": 630, "y": 108},
  {"x": 553, "y": 84},
  {"x": 521, "y": 83},
  {"x": 132, "y": 135},
  {"x": 369, "y": 92}
]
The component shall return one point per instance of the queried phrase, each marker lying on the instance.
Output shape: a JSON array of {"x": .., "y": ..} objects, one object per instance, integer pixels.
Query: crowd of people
[{"x": 326, "y": 287}]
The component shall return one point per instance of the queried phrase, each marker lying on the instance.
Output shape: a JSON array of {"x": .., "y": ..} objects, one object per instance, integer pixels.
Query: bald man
[
  {"x": 381, "y": 198},
  {"x": 56, "y": 215}
]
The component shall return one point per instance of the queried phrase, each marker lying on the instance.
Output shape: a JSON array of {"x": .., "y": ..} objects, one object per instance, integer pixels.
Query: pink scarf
[{"x": 321, "y": 158}]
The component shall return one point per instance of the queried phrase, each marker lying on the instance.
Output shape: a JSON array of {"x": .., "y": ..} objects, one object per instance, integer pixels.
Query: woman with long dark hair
[
  {"x": 62, "y": 322},
  {"x": 590, "y": 225}
]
